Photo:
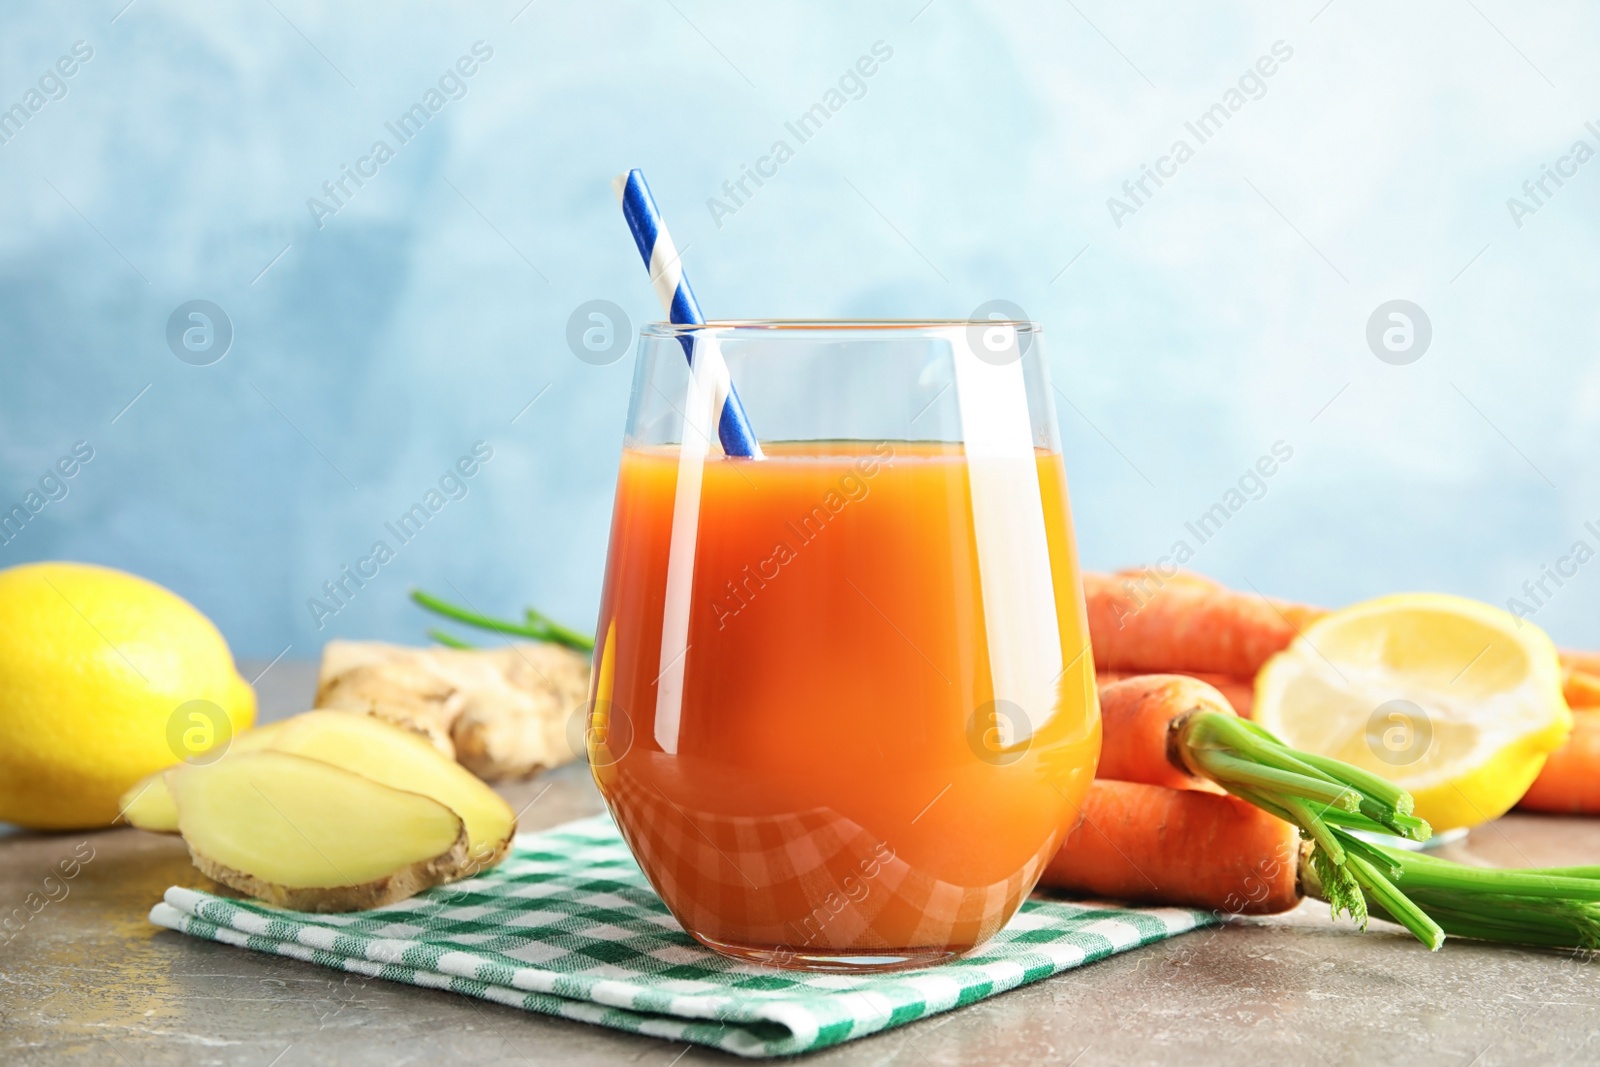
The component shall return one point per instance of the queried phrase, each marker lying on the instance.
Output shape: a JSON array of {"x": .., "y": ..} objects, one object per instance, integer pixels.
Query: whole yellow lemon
[{"x": 104, "y": 678}]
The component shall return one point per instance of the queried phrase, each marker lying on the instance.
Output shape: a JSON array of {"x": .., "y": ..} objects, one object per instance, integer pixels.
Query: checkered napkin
[{"x": 567, "y": 925}]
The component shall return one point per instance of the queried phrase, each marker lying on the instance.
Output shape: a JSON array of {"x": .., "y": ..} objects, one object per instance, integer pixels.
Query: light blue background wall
[{"x": 1228, "y": 313}]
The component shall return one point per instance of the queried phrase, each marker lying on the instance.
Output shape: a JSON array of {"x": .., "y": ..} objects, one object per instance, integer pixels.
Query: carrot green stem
[
  {"x": 1236, "y": 753},
  {"x": 1330, "y": 879},
  {"x": 1396, "y": 904},
  {"x": 1512, "y": 924},
  {"x": 1551, "y": 907},
  {"x": 1325, "y": 798},
  {"x": 1431, "y": 897},
  {"x": 538, "y": 627},
  {"x": 1319, "y": 831},
  {"x": 1567, "y": 872},
  {"x": 1229, "y": 732},
  {"x": 449, "y": 640},
  {"x": 1334, "y": 883},
  {"x": 1414, "y": 828},
  {"x": 1374, "y": 786},
  {"x": 1432, "y": 873},
  {"x": 1369, "y": 883},
  {"x": 1227, "y": 768},
  {"x": 562, "y": 635},
  {"x": 1380, "y": 789}
]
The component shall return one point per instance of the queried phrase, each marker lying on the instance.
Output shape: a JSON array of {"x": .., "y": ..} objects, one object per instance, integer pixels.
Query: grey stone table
[{"x": 89, "y": 980}]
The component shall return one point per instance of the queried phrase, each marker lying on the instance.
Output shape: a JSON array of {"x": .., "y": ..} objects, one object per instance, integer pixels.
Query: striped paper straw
[{"x": 677, "y": 300}]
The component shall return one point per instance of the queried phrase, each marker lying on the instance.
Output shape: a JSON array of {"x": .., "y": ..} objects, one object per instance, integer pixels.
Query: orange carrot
[
  {"x": 1188, "y": 578},
  {"x": 1149, "y": 844},
  {"x": 1141, "y": 719},
  {"x": 1588, "y": 662},
  {"x": 1580, "y": 687},
  {"x": 1140, "y": 622},
  {"x": 1175, "y": 731},
  {"x": 1145, "y": 841},
  {"x": 1570, "y": 781},
  {"x": 1178, "y": 732},
  {"x": 1240, "y": 692}
]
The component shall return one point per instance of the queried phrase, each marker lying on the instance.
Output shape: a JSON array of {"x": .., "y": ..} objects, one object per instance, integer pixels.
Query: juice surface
[{"x": 817, "y": 764}]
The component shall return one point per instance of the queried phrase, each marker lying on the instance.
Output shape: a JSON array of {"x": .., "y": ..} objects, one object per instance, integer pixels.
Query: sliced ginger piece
[
  {"x": 303, "y": 834},
  {"x": 402, "y": 759},
  {"x": 148, "y": 803}
]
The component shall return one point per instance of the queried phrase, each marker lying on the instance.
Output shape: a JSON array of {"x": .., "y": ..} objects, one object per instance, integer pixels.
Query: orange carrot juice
[{"x": 797, "y": 720}]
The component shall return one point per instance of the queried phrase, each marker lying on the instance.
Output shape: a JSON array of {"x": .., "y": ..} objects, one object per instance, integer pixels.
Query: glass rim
[{"x": 679, "y": 329}]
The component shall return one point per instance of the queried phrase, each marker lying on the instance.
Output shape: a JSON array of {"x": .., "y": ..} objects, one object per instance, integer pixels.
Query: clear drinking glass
[{"x": 843, "y": 707}]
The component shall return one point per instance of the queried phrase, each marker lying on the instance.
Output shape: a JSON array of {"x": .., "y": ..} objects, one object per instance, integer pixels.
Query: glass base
[{"x": 836, "y": 962}]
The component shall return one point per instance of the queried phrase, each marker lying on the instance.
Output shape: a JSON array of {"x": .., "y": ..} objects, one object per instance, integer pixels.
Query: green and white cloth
[{"x": 567, "y": 925}]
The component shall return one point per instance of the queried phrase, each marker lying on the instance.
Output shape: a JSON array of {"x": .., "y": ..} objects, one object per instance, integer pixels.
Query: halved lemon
[{"x": 1452, "y": 699}]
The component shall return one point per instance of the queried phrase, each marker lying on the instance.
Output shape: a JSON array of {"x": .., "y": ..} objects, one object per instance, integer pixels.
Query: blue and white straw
[{"x": 677, "y": 300}]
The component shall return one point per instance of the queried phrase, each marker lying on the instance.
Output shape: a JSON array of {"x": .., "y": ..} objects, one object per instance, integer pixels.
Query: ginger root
[
  {"x": 148, "y": 803},
  {"x": 502, "y": 713},
  {"x": 403, "y": 760},
  {"x": 300, "y": 833},
  {"x": 329, "y": 811}
]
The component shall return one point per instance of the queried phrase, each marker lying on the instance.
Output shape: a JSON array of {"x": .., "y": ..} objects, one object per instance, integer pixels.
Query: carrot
[
  {"x": 1186, "y": 578},
  {"x": 1239, "y": 692},
  {"x": 1580, "y": 687},
  {"x": 1588, "y": 662},
  {"x": 1154, "y": 845},
  {"x": 1177, "y": 731},
  {"x": 1140, "y": 717},
  {"x": 1570, "y": 781},
  {"x": 1167, "y": 730},
  {"x": 1140, "y": 621},
  {"x": 1143, "y": 840}
]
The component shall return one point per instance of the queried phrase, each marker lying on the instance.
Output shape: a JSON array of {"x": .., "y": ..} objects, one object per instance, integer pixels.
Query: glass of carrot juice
[{"x": 843, "y": 707}]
